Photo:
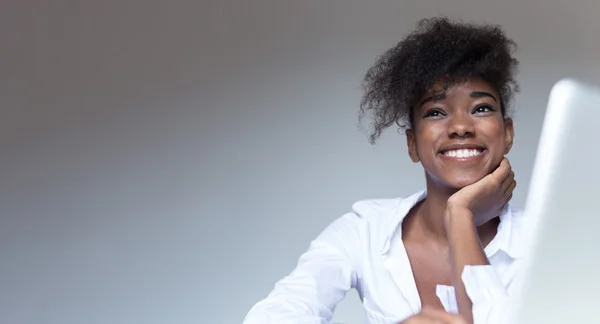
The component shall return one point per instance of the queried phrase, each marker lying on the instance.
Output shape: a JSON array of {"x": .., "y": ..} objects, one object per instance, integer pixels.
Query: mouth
[{"x": 463, "y": 153}]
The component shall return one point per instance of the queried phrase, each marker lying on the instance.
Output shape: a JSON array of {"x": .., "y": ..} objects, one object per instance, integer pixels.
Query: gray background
[{"x": 168, "y": 161}]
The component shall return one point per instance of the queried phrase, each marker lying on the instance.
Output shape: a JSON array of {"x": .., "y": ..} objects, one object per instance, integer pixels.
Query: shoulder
[
  {"x": 369, "y": 220},
  {"x": 365, "y": 214},
  {"x": 519, "y": 234},
  {"x": 376, "y": 211},
  {"x": 373, "y": 213},
  {"x": 517, "y": 216},
  {"x": 515, "y": 211}
]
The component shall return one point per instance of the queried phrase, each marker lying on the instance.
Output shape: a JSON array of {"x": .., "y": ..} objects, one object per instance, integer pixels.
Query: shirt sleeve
[
  {"x": 488, "y": 294},
  {"x": 323, "y": 275}
]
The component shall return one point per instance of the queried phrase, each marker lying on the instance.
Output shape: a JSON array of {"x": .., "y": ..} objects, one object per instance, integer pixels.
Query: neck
[
  {"x": 428, "y": 216},
  {"x": 433, "y": 209}
]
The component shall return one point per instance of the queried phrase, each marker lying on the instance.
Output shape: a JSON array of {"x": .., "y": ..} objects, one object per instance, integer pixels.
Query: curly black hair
[{"x": 439, "y": 50}]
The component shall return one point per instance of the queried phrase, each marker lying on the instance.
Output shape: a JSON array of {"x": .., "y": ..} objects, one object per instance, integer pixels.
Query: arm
[
  {"x": 480, "y": 294},
  {"x": 465, "y": 250},
  {"x": 319, "y": 282}
]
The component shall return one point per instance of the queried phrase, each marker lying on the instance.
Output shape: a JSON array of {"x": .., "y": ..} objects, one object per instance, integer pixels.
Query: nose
[{"x": 461, "y": 125}]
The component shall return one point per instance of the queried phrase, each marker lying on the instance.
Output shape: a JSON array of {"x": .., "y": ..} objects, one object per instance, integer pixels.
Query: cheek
[
  {"x": 496, "y": 139},
  {"x": 426, "y": 144},
  {"x": 429, "y": 136},
  {"x": 426, "y": 149}
]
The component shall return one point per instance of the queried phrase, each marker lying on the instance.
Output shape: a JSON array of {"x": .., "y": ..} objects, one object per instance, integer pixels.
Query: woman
[{"x": 449, "y": 253}]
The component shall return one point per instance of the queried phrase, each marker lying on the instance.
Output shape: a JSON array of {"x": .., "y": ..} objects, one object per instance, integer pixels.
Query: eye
[
  {"x": 483, "y": 109},
  {"x": 433, "y": 113}
]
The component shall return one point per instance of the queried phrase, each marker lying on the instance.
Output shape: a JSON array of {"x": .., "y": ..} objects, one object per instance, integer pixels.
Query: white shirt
[{"x": 364, "y": 250}]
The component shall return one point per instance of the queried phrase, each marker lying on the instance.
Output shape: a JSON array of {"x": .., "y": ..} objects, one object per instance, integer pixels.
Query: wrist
[
  {"x": 456, "y": 203},
  {"x": 458, "y": 216}
]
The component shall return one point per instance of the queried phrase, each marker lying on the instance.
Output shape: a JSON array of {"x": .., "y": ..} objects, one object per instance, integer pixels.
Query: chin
[
  {"x": 454, "y": 182},
  {"x": 463, "y": 181}
]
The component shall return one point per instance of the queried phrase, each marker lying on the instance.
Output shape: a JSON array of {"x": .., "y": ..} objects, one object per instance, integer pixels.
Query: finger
[
  {"x": 506, "y": 201},
  {"x": 503, "y": 170},
  {"x": 440, "y": 316},
  {"x": 509, "y": 190},
  {"x": 507, "y": 181},
  {"x": 507, "y": 167},
  {"x": 419, "y": 319}
]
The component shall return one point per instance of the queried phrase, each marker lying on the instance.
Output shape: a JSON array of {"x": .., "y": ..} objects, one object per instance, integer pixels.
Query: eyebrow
[
  {"x": 435, "y": 98},
  {"x": 480, "y": 94},
  {"x": 474, "y": 94}
]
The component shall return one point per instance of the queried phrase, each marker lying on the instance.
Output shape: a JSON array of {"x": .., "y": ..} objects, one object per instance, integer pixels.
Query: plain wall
[{"x": 168, "y": 161}]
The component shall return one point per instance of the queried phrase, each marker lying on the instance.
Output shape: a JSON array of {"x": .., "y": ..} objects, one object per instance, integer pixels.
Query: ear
[
  {"x": 509, "y": 134},
  {"x": 411, "y": 142}
]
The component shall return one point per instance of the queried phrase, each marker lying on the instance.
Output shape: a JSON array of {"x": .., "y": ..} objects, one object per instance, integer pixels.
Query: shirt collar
[{"x": 504, "y": 239}]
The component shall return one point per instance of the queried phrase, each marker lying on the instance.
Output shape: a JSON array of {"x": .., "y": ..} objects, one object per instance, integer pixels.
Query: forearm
[{"x": 465, "y": 249}]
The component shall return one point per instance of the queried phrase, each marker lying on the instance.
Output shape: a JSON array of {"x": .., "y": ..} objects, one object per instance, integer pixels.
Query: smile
[{"x": 462, "y": 153}]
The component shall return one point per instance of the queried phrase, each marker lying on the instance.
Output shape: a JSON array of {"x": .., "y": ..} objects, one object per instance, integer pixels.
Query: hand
[
  {"x": 434, "y": 316},
  {"x": 486, "y": 198}
]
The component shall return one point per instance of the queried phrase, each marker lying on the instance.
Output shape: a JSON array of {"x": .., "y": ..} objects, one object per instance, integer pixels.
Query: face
[{"x": 459, "y": 135}]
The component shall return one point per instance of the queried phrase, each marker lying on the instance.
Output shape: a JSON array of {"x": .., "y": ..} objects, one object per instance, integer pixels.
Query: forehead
[{"x": 466, "y": 87}]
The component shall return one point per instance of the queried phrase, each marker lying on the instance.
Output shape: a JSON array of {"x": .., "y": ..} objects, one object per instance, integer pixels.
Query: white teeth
[{"x": 462, "y": 153}]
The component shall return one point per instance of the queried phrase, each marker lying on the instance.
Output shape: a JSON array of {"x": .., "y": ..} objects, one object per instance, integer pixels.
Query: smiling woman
[{"x": 446, "y": 254}]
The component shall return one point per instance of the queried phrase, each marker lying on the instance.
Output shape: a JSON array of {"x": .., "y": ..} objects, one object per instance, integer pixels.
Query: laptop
[{"x": 560, "y": 281}]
